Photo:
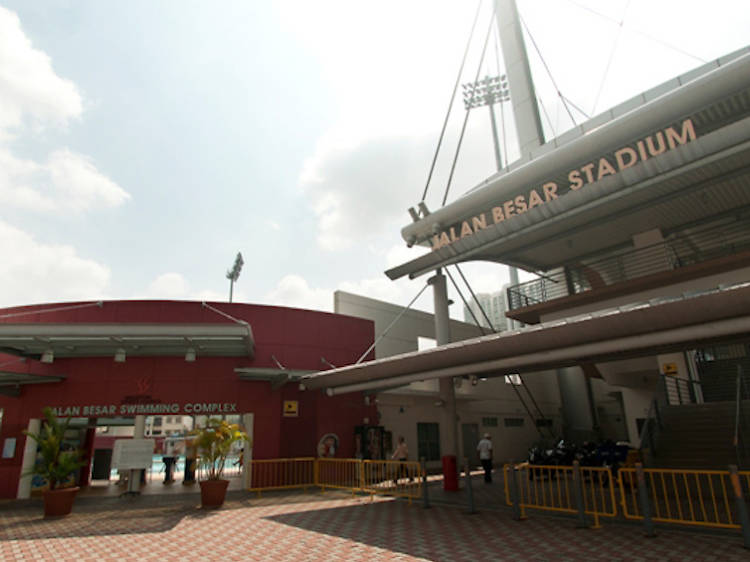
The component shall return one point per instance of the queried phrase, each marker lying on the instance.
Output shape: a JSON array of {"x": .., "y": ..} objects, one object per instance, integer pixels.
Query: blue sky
[{"x": 144, "y": 143}]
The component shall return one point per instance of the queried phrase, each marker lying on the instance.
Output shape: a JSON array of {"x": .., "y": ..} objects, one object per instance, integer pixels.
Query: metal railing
[
  {"x": 280, "y": 474},
  {"x": 338, "y": 473},
  {"x": 568, "y": 489},
  {"x": 678, "y": 391},
  {"x": 689, "y": 497},
  {"x": 680, "y": 251},
  {"x": 394, "y": 478}
]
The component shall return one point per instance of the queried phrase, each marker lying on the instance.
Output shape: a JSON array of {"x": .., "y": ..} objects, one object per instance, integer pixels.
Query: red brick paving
[{"x": 296, "y": 526}]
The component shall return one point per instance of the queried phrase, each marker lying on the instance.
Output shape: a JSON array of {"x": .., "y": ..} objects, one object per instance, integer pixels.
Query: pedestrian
[
  {"x": 401, "y": 454},
  {"x": 485, "y": 456}
]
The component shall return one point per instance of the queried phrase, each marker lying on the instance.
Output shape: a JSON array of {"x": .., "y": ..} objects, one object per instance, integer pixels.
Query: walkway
[{"x": 331, "y": 526}]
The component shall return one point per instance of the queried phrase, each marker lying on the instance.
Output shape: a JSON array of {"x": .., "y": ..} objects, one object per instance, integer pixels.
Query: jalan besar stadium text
[{"x": 624, "y": 158}]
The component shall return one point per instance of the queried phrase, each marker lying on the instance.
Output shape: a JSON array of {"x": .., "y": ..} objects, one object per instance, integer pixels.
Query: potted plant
[
  {"x": 214, "y": 443},
  {"x": 55, "y": 465}
]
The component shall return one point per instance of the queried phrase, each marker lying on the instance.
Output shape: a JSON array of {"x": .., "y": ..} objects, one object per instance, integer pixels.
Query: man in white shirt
[{"x": 485, "y": 456}]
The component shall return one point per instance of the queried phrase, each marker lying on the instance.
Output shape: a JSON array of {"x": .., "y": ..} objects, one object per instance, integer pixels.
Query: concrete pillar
[
  {"x": 248, "y": 422},
  {"x": 28, "y": 460},
  {"x": 448, "y": 419},
  {"x": 139, "y": 432},
  {"x": 522, "y": 94}
]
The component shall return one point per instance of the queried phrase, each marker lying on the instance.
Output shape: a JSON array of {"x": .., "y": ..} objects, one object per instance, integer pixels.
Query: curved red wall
[{"x": 297, "y": 338}]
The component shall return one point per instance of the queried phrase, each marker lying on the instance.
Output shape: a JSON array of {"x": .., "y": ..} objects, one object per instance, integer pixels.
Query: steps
[{"x": 700, "y": 436}]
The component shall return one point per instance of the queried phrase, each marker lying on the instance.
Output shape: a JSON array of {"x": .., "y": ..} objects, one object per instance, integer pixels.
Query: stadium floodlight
[
  {"x": 234, "y": 273},
  {"x": 488, "y": 91}
]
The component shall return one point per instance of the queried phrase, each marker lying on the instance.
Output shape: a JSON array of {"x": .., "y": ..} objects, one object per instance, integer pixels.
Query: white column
[
  {"x": 248, "y": 422},
  {"x": 139, "y": 432},
  {"x": 28, "y": 460},
  {"x": 448, "y": 437}
]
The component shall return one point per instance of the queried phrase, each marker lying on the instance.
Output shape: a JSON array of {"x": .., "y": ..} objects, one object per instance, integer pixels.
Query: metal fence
[
  {"x": 394, "y": 478},
  {"x": 689, "y": 497}
]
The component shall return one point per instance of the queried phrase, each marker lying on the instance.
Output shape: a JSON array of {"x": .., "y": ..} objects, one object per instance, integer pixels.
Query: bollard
[
  {"x": 644, "y": 501},
  {"x": 515, "y": 496},
  {"x": 741, "y": 505},
  {"x": 469, "y": 489},
  {"x": 425, "y": 495},
  {"x": 578, "y": 496}
]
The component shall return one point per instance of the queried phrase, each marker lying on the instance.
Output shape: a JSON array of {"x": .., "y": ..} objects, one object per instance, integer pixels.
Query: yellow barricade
[
  {"x": 551, "y": 488},
  {"x": 689, "y": 497},
  {"x": 393, "y": 478},
  {"x": 280, "y": 474},
  {"x": 339, "y": 473}
]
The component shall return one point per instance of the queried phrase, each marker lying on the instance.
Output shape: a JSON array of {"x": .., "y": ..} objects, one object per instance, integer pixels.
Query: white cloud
[
  {"x": 362, "y": 193},
  {"x": 29, "y": 87},
  {"x": 174, "y": 286},
  {"x": 67, "y": 182},
  {"x": 293, "y": 290},
  {"x": 31, "y": 271}
]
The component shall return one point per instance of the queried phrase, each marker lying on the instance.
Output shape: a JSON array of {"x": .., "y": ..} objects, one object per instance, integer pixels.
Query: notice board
[{"x": 132, "y": 453}]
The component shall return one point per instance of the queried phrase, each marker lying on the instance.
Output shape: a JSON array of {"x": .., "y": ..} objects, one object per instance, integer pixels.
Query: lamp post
[
  {"x": 488, "y": 91},
  {"x": 234, "y": 273}
]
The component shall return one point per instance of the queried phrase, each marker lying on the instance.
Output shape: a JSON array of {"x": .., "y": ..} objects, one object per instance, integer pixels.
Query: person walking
[
  {"x": 401, "y": 454},
  {"x": 485, "y": 456}
]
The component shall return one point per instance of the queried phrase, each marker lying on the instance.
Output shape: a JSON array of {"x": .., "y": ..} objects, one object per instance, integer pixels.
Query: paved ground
[{"x": 332, "y": 526}]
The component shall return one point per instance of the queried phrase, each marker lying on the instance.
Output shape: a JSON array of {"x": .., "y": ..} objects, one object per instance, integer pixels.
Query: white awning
[
  {"x": 629, "y": 331},
  {"x": 48, "y": 341}
]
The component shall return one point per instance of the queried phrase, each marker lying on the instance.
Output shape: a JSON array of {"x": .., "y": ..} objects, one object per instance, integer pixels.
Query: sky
[{"x": 144, "y": 143}]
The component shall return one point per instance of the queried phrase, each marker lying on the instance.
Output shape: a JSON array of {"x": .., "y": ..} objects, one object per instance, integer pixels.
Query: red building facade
[{"x": 94, "y": 383}]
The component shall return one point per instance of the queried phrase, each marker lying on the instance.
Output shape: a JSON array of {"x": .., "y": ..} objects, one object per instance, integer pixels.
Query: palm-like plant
[
  {"x": 214, "y": 443},
  {"x": 56, "y": 465}
]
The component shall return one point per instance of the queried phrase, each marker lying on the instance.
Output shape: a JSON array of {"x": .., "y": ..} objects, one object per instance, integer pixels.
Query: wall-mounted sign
[
  {"x": 291, "y": 408},
  {"x": 109, "y": 410},
  {"x": 609, "y": 164},
  {"x": 669, "y": 368}
]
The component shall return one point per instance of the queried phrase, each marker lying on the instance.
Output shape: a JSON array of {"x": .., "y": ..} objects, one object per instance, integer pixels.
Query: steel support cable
[
  {"x": 578, "y": 109},
  {"x": 549, "y": 73},
  {"x": 502, "y": 111},
  {"x": 466, "y": 117},
  {"x": 611, "y": 56},
  {"x": 466, "y": 304},
  {"x": 476, "y": 300},
  {"x": 525, "y": 407},
  {"x": 639, "y": 32},
  {"x": 396, "y": 319},
  {"x": 549, "y": 121},
  {"x": 531, "y": 396},
  {"x": 99, "y": 304},
  {"x": 450, "y": 104}
]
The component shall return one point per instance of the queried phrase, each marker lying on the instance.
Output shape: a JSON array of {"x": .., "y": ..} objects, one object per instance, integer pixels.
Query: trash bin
[{"x": 450, "y": 473}]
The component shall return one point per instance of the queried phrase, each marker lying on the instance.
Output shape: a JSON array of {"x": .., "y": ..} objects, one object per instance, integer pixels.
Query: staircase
[{"x": 701, "y": 436}]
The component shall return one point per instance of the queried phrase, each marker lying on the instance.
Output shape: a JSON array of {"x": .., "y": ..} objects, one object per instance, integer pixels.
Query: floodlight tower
[
  {"x": 488, "y": 91},
  {"x": 234, "y": 273}
]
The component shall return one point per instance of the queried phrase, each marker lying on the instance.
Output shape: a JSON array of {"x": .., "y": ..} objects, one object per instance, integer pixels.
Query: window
[
  {"x": 428, "y": 440},
  {"x": 489, "y": 422},
  {"x": 513, "y": 422},
  {"x": 157, "y": 421}
]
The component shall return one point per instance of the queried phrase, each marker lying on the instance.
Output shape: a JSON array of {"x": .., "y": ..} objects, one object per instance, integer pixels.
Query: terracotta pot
[
  {"x": 213, "y": 492},
  {"x": 58, "y": 503}
]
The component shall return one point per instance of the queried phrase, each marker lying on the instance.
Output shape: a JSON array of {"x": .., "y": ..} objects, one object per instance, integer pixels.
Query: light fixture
[
  {"x": 119, "y": 355},
  {"x": 48, "y": 356},
  {"x": 189, "y": 355}
]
